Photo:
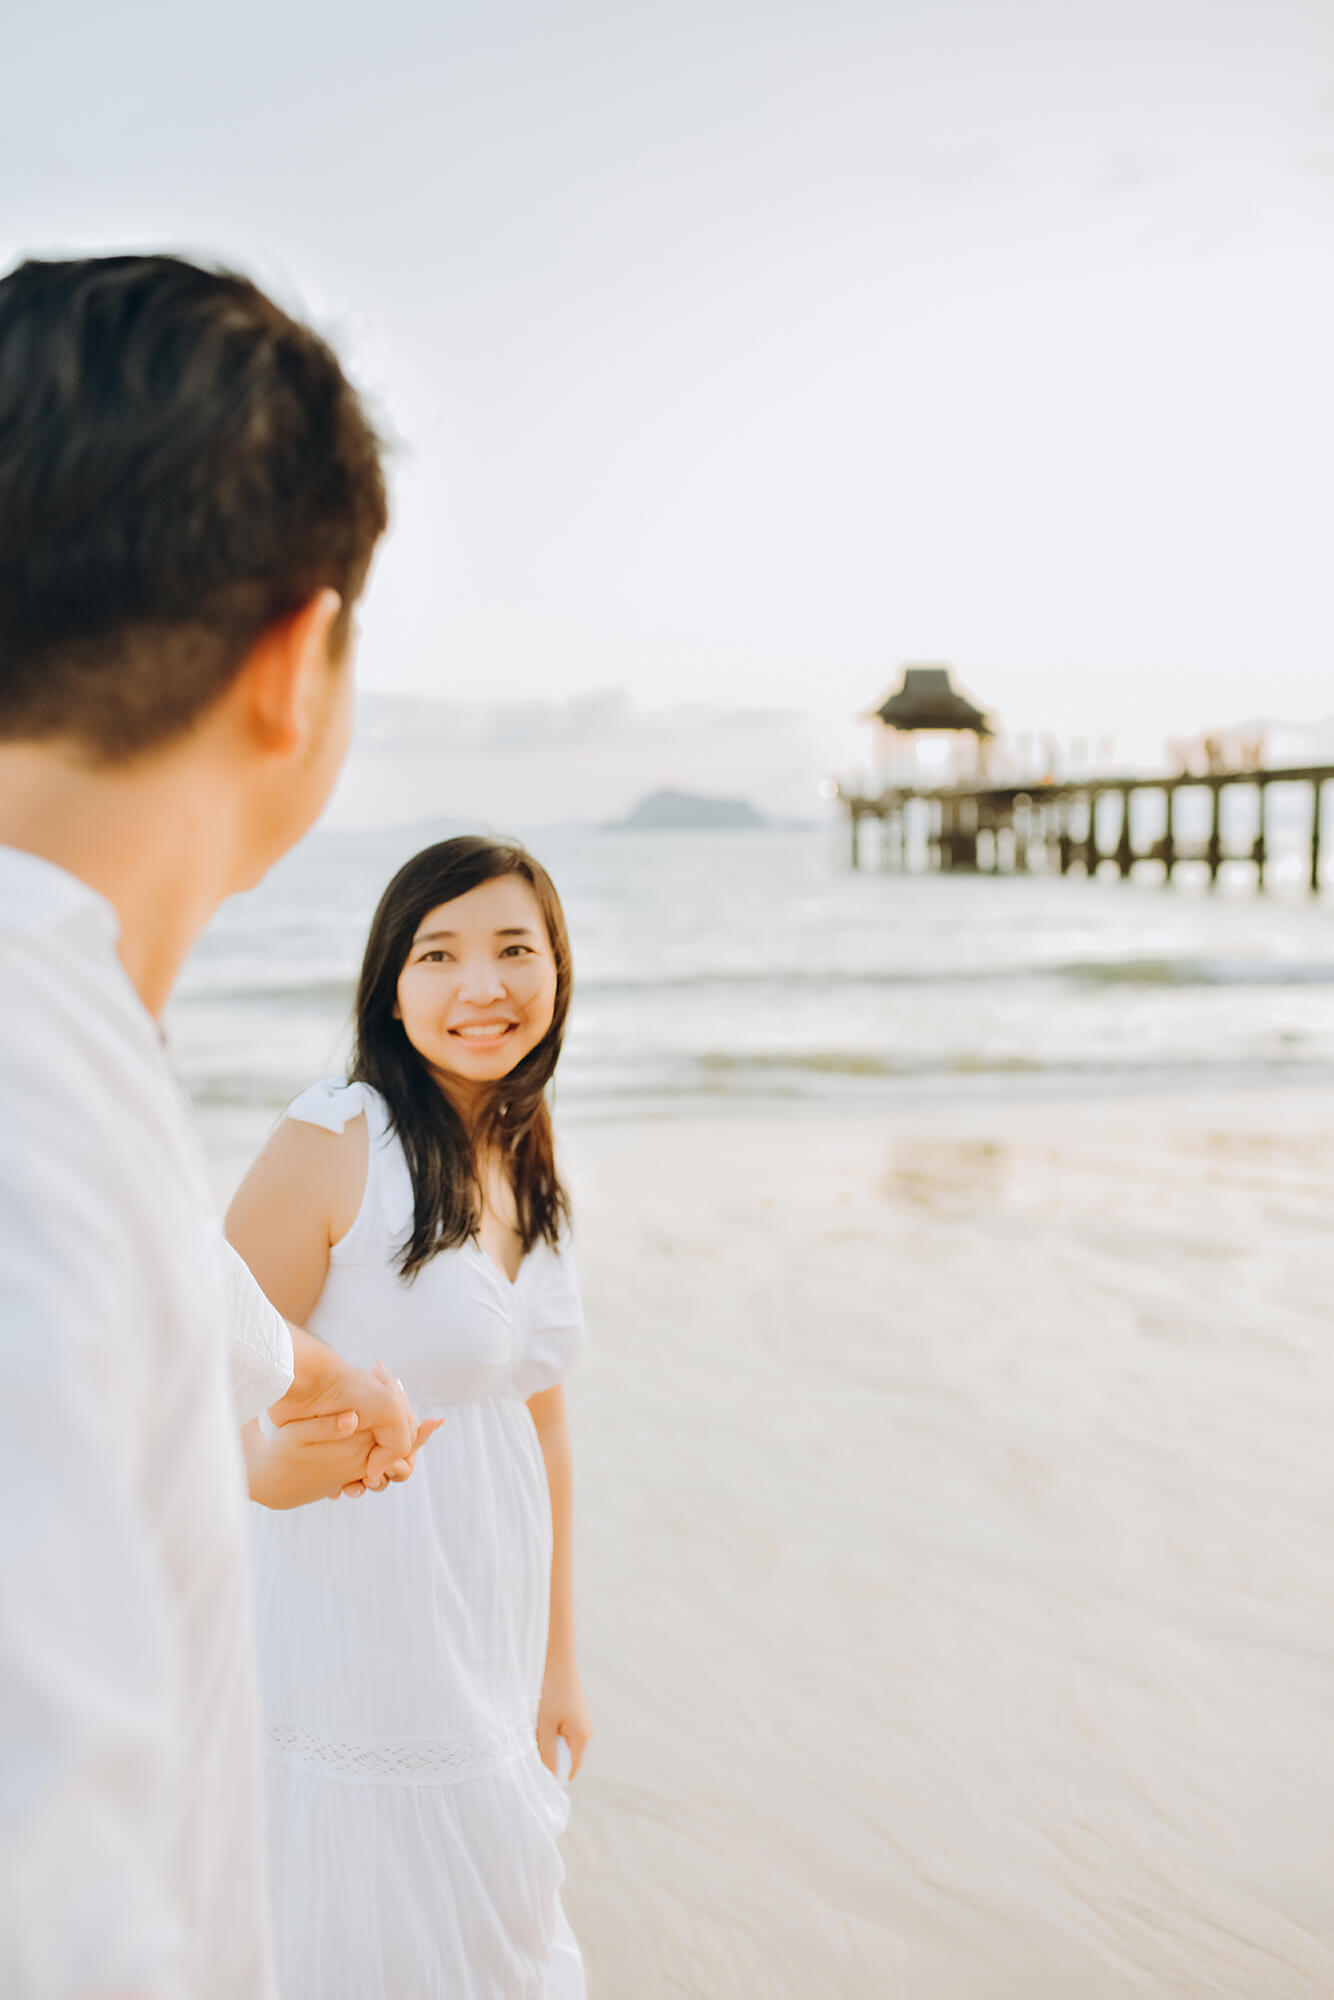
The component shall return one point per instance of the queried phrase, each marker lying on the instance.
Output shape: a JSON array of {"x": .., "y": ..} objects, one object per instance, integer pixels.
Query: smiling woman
[
  {"x": 417, "y": 1659},
  {"x": 491, "y": 984},
  {"x": 466, "y": 982}
]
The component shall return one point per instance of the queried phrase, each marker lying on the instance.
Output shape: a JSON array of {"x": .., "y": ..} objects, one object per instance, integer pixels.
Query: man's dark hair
[{"x": 181, "y": 466}]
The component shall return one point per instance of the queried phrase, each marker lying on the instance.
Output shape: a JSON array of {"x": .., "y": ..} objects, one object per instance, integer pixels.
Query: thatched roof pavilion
[{"x": 928, "y": 699}]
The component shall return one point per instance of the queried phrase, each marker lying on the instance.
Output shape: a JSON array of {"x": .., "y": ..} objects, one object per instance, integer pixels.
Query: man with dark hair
[{"x": 190, "y": 497}]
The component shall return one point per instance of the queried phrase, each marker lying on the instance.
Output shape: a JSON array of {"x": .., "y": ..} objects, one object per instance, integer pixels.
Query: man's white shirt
[{"x": 133, "y": 1342}]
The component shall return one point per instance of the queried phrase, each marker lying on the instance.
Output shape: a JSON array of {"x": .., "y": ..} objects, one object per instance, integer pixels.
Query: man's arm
[
  {"x": 86, "y": 1634},
  {"x": 260, "y": 1358}
]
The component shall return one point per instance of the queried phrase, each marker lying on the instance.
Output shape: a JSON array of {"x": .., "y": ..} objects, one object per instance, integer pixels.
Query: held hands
[
  {"x": 382, "y": 1467},
  {"x": 311, "y": 1458},
  {"x": 562, "y": 1711},
  {"x": 317, "y": 1458},
  {"x": 387, "y": 1421},
  {"x": 385, "y": 1434}
]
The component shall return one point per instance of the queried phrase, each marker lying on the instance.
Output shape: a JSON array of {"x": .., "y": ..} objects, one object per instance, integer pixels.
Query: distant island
[{"x": 679, "y": 812}]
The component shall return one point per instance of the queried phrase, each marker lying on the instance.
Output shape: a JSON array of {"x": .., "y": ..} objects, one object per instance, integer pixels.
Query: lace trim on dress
[{"x": 400, "y": 1760}]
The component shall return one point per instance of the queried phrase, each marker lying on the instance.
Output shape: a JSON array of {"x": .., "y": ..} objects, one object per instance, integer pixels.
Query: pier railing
[{"x": 1059, "y": 825}]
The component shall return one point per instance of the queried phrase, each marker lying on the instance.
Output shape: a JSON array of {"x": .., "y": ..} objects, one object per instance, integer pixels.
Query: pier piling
[
  {"x": 1125, "y": 851},
  {"x": 1258, "y": 851},
  {"x": 1065, "y": 843},
  {"x": 1317, "y": 804},
  {"x": 1091, "y": 854},
  {"x": 1005, "y": 828},
  {"x": 1214, "y": 851}
]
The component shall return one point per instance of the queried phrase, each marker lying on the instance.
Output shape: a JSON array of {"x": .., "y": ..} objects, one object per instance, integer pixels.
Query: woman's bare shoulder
[{"x": 308, "y": 1168}]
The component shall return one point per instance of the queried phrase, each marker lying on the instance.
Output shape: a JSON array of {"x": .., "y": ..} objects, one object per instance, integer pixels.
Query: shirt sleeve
[
  {"x": 260, "y": 1363},
  {"x": 88, "y": 1895}
]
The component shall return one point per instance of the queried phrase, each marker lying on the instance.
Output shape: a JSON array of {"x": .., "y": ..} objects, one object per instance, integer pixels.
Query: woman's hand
[
  {"x": 378, "y": 1474},
  {"x": 562, "y": 1711},
  {"x": 325, "y": 1385}
]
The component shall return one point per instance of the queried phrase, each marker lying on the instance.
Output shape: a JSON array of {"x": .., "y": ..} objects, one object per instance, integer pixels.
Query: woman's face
[{"x": 478, "y": 989}]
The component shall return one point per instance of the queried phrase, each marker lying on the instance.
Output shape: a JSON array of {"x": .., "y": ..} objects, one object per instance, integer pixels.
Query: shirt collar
[{"x": 35, "y": 894}]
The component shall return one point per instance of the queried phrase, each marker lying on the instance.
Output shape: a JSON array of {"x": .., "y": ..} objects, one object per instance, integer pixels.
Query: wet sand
[
  {"x": 955, "y": 1548},
  {"x": 954, "y": 1512}
]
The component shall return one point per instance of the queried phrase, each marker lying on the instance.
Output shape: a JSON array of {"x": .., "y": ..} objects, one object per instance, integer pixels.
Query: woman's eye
[
  {"x": 523, "y": 950},
  {"x": 433, "y": 958}
]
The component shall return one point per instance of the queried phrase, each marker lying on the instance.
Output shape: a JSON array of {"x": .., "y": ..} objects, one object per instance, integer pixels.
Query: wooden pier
[{"x": 1075, "y": 823}]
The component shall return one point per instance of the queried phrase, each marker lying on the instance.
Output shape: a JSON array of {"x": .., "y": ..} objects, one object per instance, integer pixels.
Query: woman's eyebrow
[{"x": 511, "y": 930}]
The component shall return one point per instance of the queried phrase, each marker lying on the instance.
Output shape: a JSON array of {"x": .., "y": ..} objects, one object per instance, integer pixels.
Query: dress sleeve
[
  {"x": 330, "y": 1103},
  {"x": 260, "y": 1364},
  {"x": 555, "y": 1329},
  {"x": 87, "y": 1652}
]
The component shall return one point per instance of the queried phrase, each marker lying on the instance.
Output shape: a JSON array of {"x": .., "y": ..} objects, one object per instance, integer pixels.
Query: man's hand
[
  {"x": 312, "y": 1458},
  {"x": 325, "y": 1386}
]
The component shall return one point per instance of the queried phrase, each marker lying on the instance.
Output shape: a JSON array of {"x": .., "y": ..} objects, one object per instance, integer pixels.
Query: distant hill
[{"x": 685, "y": 812}]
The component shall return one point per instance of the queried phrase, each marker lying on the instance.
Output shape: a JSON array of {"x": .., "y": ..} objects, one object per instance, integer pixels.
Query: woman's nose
[{"x": 482, "y": 981}]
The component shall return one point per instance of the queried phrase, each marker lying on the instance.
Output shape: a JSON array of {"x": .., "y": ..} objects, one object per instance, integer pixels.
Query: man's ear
[{"x": 283, "y": 685}]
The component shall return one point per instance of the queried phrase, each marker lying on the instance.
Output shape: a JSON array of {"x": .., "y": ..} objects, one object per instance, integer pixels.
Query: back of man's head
[{"x": 181, "y": 466}]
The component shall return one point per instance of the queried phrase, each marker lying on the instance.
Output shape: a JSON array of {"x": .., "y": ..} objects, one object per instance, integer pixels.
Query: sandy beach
[{"x": 954, "y": 1551}]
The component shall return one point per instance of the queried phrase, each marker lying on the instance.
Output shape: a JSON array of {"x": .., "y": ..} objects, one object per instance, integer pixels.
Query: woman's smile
[{"x": 483, "y": 1034}]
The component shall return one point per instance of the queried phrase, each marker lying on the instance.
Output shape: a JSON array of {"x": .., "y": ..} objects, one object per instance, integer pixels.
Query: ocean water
[{"x": 754, "y": 966}]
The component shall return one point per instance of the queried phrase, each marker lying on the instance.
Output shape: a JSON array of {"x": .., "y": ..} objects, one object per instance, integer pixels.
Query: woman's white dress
[{"x": 412, "y": 1825}]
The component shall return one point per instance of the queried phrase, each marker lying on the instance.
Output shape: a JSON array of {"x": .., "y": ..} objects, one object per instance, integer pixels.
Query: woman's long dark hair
[{"x": 442, "y": 1153}]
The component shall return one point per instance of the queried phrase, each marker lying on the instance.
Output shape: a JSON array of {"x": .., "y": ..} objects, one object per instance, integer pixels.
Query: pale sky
[{"x": 739, "y": 350}]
